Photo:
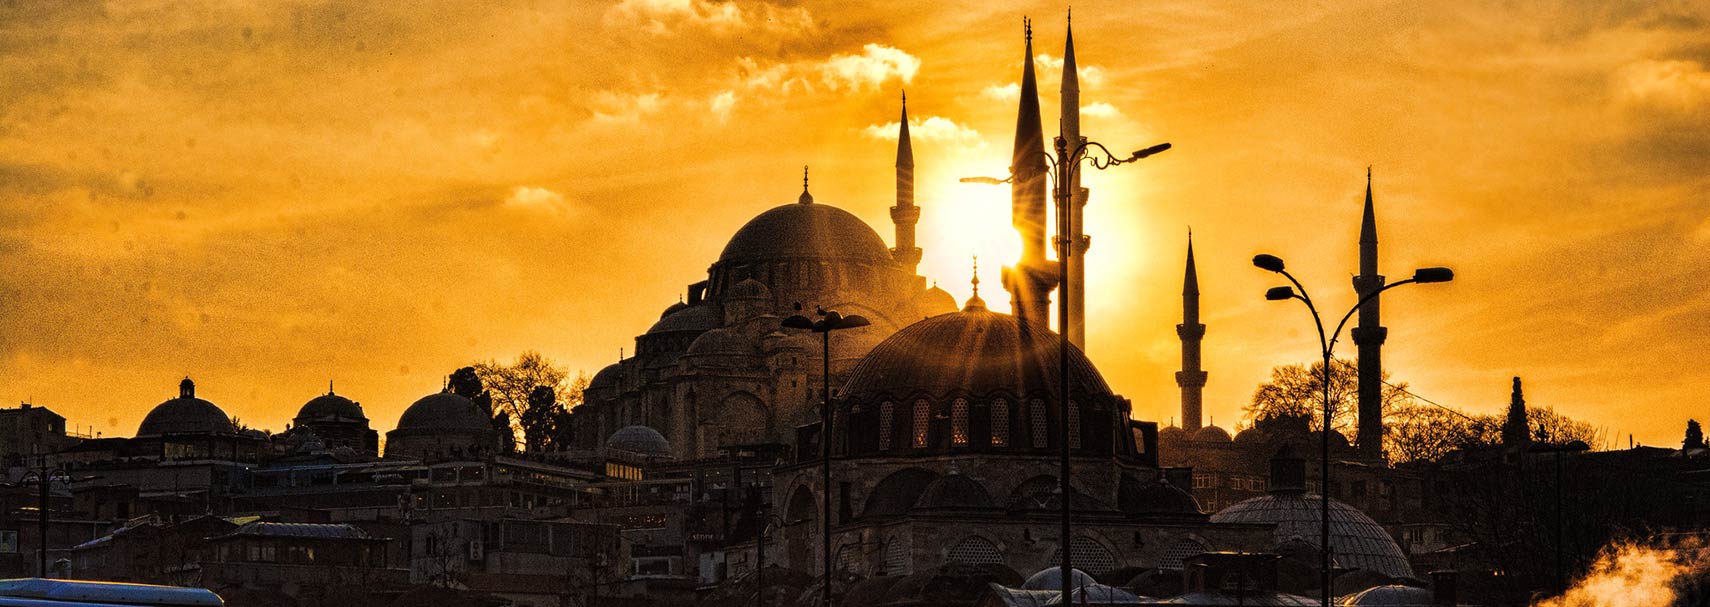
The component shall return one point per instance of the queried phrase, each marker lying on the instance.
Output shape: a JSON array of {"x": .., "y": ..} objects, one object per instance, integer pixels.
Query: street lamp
[
  {"x": 1327, "y": 346},
  {"x": 44, "y": 476},
  {"x": 760, "y": 557},
  {"x": 1063, "y": 165},
  {"x": 828, "y": 322}
]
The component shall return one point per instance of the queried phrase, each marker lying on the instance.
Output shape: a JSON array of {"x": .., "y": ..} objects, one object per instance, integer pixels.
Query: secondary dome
[
  {"x": 1050, "y": 578},
  {"x": 640, "y": 440},
  {"x": 1211, "y": 434},
  {"x": 1359, "y": 542},
  {"x": 693, "y": 318},
  {"x": 974, "y": 352},
  {"x": 725, "y": 342},
  {"x": 444, "y": 411},
  {"x": 805, "y": 231},
  {"x": 186, "y": 415},
  {"x": 330, "y": 405}
]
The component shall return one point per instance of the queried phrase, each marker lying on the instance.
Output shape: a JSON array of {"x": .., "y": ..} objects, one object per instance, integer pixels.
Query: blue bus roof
[{"x": 68, "y": 593}]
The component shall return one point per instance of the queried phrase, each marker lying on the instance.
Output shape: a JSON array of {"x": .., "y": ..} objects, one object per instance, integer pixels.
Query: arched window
[
  {"x": 887, "y": 414},
  {"x": 975, "y": 551},
  {"x": 1179, "y": 550},
  {"x": 896, "y": 556},
  {"x": 1036, "y": 417},
  {"x": 921, "y": 416},
  {"x": 1074, "y": 425},
  {"x": 1000, "y": 423},
  {"x": 1139, "y": 440},
  {"x": 959, "y": 422},
  {"x": 1090, "y": 556}
]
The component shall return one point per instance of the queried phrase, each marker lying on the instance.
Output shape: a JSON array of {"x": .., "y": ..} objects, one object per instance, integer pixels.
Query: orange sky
[{"x": 269, "y": 195}]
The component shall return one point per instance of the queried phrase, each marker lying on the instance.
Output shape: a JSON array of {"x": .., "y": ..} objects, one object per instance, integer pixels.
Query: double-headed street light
[
  {"x": 828, "y": 322},
  {"x": 44, "y": 476},
  {"x": 1327, "y": 344},
  {"x": 1063, "y": 165}
]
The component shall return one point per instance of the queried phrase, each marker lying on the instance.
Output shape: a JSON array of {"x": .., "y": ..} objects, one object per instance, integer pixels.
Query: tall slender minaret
[
  {"x": 905, "y": 214},
  {"x": 1070, "y": 112},
  {"x": 1030, "y": 280},
  {"x": 1190, "y": 378},
  {"x": 1369, "y": 336}
]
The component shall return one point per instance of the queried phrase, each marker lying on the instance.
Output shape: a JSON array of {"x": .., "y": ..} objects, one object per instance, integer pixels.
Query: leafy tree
[
  {"x": 1298, "y": 390},
  {"x": 1694, "y": 436},
  {"x": 540, "y": 419},
  {"x": 466, "y": 382},
  {"x": 511, "y": 384}
]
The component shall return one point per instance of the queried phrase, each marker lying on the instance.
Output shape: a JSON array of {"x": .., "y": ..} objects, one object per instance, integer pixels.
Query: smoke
[{"x": 1670, "y": 574}]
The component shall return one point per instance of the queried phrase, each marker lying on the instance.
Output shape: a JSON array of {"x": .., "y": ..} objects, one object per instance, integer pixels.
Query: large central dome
[
  {"x": 975, "y": 352},
  {"x": 805, "y": 230}
]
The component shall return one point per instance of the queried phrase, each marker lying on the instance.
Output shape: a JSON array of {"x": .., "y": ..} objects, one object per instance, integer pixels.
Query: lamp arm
[
  {"x": 1368, "y": 297},
  {"x": 1310, "y": 307}
]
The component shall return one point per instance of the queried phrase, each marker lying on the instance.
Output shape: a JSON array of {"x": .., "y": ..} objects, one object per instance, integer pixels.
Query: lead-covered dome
[
  {"x": 805, "y": 231},
  {"x": 1358, "y": 541},
  {"x": 975, "y": 352},
  {"x": 186, "y": 415},
  {"x": 444, "y": 411},
  {"x": 639, "y": 440},
  {"x": 330, "y": 405}
]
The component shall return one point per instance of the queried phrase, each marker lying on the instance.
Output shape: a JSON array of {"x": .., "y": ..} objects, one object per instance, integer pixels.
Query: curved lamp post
[
  {"x": 44, "y": 476},
  {"x": 1327, "y": 345},
  {"x": 828, "y": 322},
  {"x": 760, "y": 558},
  {"x": 1064, "y": 164}
]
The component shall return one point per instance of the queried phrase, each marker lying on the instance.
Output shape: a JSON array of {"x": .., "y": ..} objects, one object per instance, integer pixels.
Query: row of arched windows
[{"x": 967, "y": 425}]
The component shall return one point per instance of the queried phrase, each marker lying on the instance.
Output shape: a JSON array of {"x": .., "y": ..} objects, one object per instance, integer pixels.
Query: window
[
  {"x": 1000, "y": 423},
  {"x": 887, "y": 413},
  {"x": 1036, "y": 417},
  {"x": 1139, "y": 441},
  {"x": 1203, "y": 481},
  {"x": 1180, "y": 549},
  {"x": 921, "y": 414},
  {"x": 1090, "y": 556},
  {"x": 896, "y": 556},
  {"x": 959, "y": 422},
  {"x": 1074, "y": 425},
  {"x": 975, "y": 551}
]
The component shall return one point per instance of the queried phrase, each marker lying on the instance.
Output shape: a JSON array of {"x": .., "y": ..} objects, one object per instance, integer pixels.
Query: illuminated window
[
  {"x": 959, "y": 422},
  {"x": 920, "y": 419},
  {"x": 1000, "y": 423},
  {"x": 1036, "y": 416},
  {"x": 886, "y": 414},
  {"x": 1074, "y": 425}
]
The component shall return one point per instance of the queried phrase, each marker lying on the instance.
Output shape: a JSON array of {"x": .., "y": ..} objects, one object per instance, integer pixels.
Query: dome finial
[
  {"x": 186, "y": 388},
  {"x": 806, "y": 197},
  {"x": 329, "y": 387},
  {"x": 974, "y": 301}
]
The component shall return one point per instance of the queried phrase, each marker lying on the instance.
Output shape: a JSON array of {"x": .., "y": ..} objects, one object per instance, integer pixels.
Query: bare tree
[{"x": 1298, "y": 391}]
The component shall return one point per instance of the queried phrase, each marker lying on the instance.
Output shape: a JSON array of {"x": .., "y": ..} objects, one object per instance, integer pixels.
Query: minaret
[
  {"x": 1369, "y": 336},
  {"x": 1515, "y": 431},
  {"x": 1030, "y": 280},
  {"x": 1190, "y": 378},
  {"x": 905, "y": 214},
  {"x": 1070, "y": 112}
]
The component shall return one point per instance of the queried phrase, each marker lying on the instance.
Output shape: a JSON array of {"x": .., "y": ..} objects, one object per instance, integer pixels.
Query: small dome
[
  {"x": 1393, "y": 595},
  {"x": 639, "y": 440},
  {"x": 722, "y": 342},
  {"x": 955, "y": 491},
  {"x": 608, "y": 376},
  {"x": 692, "y": 318},
  {"x": 748, "y": 288},
  {"x": 1251, "y": 436},
  {"x": 1154, "y": 498},
  {"x": 805, "y": 231},
  {"x": 444, "y": 411},
  {"x": 937, "y": 301},
  {"x": 1337, "y": 439},
  {"x": 1172, "y": 433},
  {"x": 329, "y": 405},
  {"x": 186, "y": 415},
  {"x": 673, "y": 309},
  {"x": 1050, "y": 578},
  {"x": 1211, "y": 434},
  {"x": 1357, "y": 540}
]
